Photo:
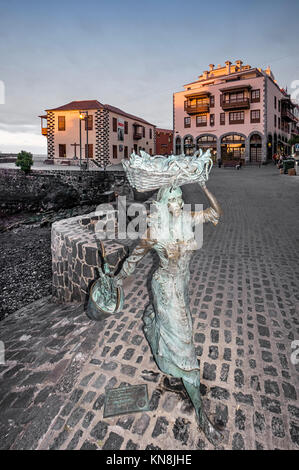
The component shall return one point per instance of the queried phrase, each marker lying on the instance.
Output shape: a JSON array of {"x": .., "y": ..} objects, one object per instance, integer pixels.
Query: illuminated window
[{"x": 61, "y": 123}]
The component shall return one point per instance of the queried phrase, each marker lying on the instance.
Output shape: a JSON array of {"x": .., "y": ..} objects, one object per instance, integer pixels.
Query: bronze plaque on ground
[{"x": 123, "y": 400}]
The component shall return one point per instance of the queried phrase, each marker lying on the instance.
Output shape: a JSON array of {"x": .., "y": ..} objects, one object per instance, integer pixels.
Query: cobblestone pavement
[{"x": 244, "y": 295}]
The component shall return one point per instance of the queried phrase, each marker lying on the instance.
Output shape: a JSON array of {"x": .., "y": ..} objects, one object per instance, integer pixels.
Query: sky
[{"x": 130, "y": 54}]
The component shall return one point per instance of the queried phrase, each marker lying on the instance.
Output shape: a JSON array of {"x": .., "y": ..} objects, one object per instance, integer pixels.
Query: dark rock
[
  {"x": 241, "y": 398},
  {"x": 113, "y": 442},
  {"x": 239, "y": 378},
  {"x": 277, "y": 427},
  {"x": 294, "y": 432},
  {"x": 99, "y": 431},
  {"x": 87, "y": 445},
  {"x": 289, "y": 391},
  {"x": 258, "y": 422},
  {"x": 209, "y": 371},
  {"x": 269, "y": 404},
  {"x": 125, "y": 422},
  {"x": 181, "y": 430},
  {"x": 240, "y": 420},
  {"x": 238, "y": 442},
  {"x": 220, "y": 393},
  {"x": 272, "y": 388},
  {"x": 141, "y": 424},
  {"x": 160, "y": 426}
]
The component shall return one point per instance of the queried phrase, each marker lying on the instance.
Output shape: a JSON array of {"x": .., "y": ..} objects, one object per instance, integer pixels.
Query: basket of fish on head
[{"x": 147, "y": 172}]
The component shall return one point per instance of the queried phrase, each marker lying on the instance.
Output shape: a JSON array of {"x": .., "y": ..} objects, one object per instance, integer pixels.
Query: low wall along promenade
[
  {"x": 55, "y": 188},
  {"x": 75, "y": 254}
]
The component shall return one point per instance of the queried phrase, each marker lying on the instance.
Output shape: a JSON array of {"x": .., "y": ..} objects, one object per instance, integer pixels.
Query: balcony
[
  {"x": 287, "y": 115},
  {"x": 137, "y": 135},
  {"x": 196, "y": 108},
  {"x": 230, "y": 105},
  {"x": 45, "y": 131}
]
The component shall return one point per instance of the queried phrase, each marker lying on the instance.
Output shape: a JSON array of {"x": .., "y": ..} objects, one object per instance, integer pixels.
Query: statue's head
[{"x": 171, "y": 196}]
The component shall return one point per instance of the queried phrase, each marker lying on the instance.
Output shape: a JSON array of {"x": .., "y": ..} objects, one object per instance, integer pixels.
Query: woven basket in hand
[{"x": 177, "y": 174}]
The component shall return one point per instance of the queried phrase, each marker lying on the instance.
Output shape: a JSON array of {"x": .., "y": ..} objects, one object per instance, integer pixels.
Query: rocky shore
[{"x": 25, "y": 263}]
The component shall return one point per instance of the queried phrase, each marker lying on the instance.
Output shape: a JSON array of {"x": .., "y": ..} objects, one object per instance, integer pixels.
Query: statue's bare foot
[{"x": 211, "y": 433}]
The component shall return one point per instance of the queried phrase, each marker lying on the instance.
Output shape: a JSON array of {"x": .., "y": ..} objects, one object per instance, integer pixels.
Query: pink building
[
  {"x": 112, "y": 134},
  {"x": 237, "y": 110}
]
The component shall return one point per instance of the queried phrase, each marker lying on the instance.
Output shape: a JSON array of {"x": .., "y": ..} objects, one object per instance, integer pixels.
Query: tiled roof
[
  {"x": 123, "y": 113},
  {"x": 94, "y": 104},
  {"x": 158, "y": 129},
  {"x": 78, "y": 105}
]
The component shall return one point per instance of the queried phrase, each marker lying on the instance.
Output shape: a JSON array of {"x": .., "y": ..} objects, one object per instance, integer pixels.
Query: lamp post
[{"x": 84, "y": 117}]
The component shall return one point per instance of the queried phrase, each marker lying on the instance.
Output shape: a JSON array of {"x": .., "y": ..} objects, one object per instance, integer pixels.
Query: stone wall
[
  {"x": 75, "y": 255},
  {"x": 19, "y": 192}
]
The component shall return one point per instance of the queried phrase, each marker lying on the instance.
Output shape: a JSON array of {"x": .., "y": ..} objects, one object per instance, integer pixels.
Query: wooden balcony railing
[
  {"x": 137, "y": 135},
  {"x": 287, "y": 115},
  {"x": 196, "y": 108},
  {"x": 229, "y": 104}
]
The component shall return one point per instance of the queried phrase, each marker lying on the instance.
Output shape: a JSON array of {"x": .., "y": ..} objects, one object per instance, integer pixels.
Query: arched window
[
  {"x": 178, "y": 146},
  {"x": 231, "y": 138},
  {"x": 188, "y": 145},
  {"x": 205, "y": 142},
  {"x": 255, "y": 148},
  {"x": 233, "y": 147}
]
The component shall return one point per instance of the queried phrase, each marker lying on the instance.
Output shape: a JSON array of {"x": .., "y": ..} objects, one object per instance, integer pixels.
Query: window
[
  {"x": 222, "y": 119},
  {"x": 232, "y": 97},
  {"x": 275, "y": 101},
  {"x": 255, "y": 96},
  {"x": 201, "y": 120},
  {"x": 255, "y": 115},
  {"x": 212, "y": 101},
  {"x": 150, "y": 151},
  {"x": 62, "y": 150},
  {"x": 232, "y": 138},
  {"x": 187, "y": 122},
  {"x": 114, "y": 124},
  {"x": 90, "y": 150},
  {"x": 61, "y": 123},
  {"x": 212, "y": 119},
  {"x": 126, "y": 127},
  {"x": 278, "y": 122},
  {"x": 236, "y": 117},
  {"x": 279, "y": 106},
  {"x": 274, "y": 120},
  {"x": 126, "y": 152},
  {"x": 89, "y": 122},
  {"x": 114, "y": 151},
  {"x": 143, "y": 131},
  {"x": 151, "y": 133}
]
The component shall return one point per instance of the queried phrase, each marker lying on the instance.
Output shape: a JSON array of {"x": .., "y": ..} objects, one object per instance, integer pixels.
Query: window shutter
[{"x": 114, "y": 121}]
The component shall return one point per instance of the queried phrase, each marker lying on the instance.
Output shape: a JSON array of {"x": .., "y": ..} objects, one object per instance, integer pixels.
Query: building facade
[
  {"x": 164, "y": 141},
  {"x": 101, "y": 133},
  {"x": 237, "y": 110}
]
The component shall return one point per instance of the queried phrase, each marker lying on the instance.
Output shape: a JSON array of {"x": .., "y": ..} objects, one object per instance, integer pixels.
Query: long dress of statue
[{"x": 167, "y": 321}]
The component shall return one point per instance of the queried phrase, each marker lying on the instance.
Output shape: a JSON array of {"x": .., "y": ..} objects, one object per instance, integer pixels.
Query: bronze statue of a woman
[{"x": 167, "y": 321}]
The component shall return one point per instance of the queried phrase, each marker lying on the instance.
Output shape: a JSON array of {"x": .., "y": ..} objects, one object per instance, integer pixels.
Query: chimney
[
  {"x": 228, "y": 64},
  {"x": 211, "y": 66},
  {"x": 239, "y": 64},
  {"x": 268, "y": 70}
]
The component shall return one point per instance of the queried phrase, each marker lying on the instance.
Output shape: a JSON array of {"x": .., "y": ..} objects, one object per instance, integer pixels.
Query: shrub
[{"x": 25, "y": 161}]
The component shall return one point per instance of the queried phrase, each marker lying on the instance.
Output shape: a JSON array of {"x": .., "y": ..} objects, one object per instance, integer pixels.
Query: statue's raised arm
[{"x": 212, "y": 213}]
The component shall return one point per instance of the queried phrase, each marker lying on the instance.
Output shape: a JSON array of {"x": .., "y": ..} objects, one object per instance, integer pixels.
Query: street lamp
[{"x": 84, "y": 117}]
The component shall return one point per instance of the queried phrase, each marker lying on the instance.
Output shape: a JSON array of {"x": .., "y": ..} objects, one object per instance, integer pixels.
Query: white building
[{"x": 112, "y": 133}]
